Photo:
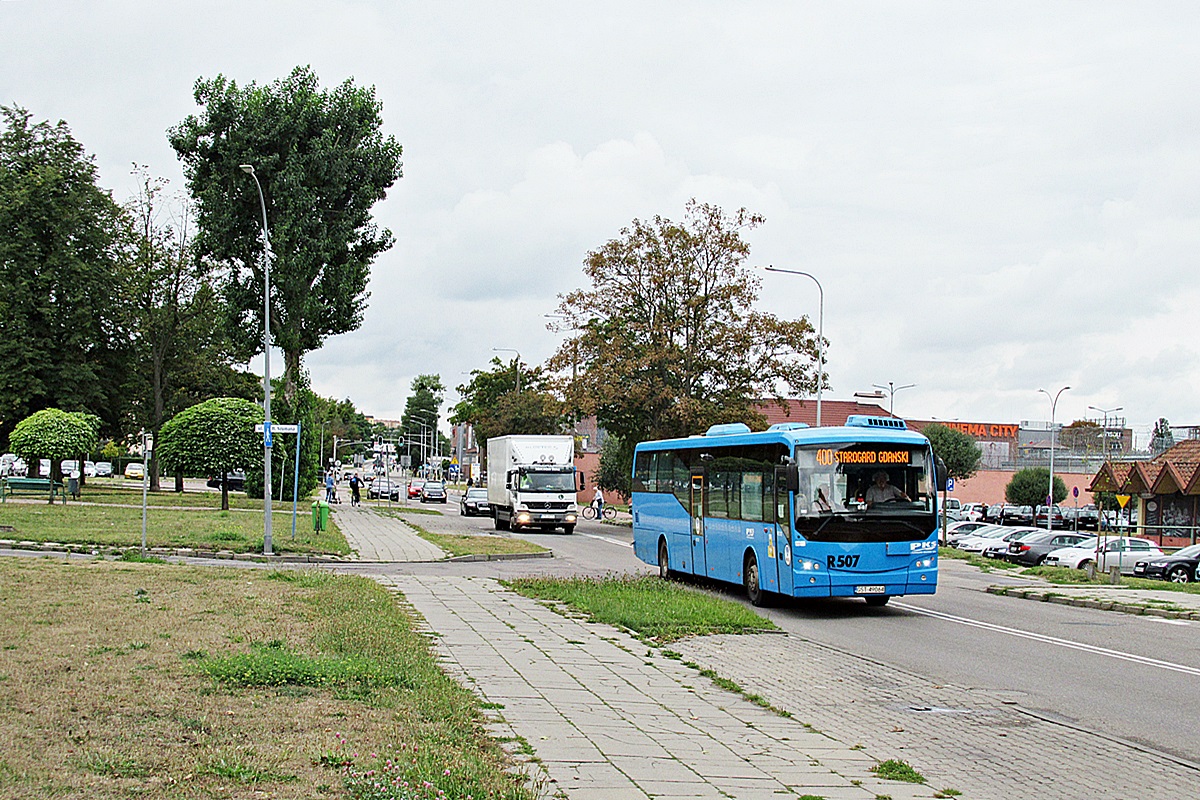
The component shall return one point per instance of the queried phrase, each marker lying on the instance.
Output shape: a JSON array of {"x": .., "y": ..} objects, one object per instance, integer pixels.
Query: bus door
[
  {"x": 783, "y": 532},
  {"x": 699, "y": 562}
]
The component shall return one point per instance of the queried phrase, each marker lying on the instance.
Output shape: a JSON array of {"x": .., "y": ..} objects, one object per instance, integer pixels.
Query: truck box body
[{"x": 531, "y": 482}]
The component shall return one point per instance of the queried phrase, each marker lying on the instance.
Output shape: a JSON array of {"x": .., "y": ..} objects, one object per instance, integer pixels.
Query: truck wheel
[
  {"x": 568, "y": 529},
  {"x": 496, "y": 519}
]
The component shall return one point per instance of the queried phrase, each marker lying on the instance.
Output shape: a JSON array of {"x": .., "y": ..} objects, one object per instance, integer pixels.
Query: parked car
[
  {"x": 104, "y": 469},
  {"x": 1030, "y": 551},
  {"x": 973, "y": 512},
  {"x": 14, "y": 465},
  {"x": 960, "y": 530},
  {"x": 71, "y": 465},
  {"x": 994, "y": 513},
  {"x": 1088, "y": 518},
  {"x": 1179, "y": 567},
  {"x": 414, "y": 487},
  {"x": 1011, "y": 514},
  {"x": 1055, "y": 515},
  {"x": 236, "y": 481},
  {"x": 1120, "y": 551},
  {"x": 135, "y": 471},
  {"x": 433, "y": 492},
  {"x": 998, "y": 547},
  {"x": 474, "y": 502},
  {"x": 975, "y": 543}
]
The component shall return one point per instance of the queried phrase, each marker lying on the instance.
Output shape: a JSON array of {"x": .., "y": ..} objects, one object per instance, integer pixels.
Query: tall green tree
[
  {"x": 1162, "y": 440},
  {"x": 55, "y": 434},
  {"x": 1028, "y": 487},
  {"x": 666, "y": 341},
  {"x": 61, "y": 273},
  {"x": 421, "y": 415},
  {"x": 957, "y": 450},
  {"x": 323, "y": 162},
  {"x": 215, "y": 437},
  {"x": 180, "y": 349},
  {"x": 493, "y": 406}
]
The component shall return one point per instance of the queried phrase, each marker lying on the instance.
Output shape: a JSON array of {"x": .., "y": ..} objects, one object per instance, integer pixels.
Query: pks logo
[{"x": 922, "y": 547}]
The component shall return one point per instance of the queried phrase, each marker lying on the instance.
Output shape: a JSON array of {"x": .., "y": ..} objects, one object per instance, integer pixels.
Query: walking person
[
  {"x": 598, "y": 502},
  {"x": 329, "y": 487}
]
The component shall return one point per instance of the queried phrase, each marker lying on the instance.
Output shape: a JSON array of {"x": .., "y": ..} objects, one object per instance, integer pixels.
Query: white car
[
  {"x": 973, "y": 512},
  {"x": 1114, "y": 551},
  {"x": 975, "y": 542},
  {"x": 961, "y": 530}
]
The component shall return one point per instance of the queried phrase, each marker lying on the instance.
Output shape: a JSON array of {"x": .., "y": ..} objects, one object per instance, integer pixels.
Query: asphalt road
[{"x": 1130, "y": 677}]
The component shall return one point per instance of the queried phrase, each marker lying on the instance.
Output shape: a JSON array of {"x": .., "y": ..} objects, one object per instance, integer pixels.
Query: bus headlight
[
  {"x": 924, "y": 563},
  {"x": 809, "y": 565}
]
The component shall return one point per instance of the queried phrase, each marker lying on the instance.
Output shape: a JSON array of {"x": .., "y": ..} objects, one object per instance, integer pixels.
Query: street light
[
  {"x": 820, "y": 330},
  {"x": 891, "y": 389},
  {"x": 1106, "y": 412},
  {"x": 267, "y": 255},
  {"x": 518, "y": 362},
  {"x": 1050, "y": 495}
]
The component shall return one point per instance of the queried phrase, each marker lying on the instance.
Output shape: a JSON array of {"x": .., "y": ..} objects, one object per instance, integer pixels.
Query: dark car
[
  {"x": 1179, "y": 567},
  {"x": 993, "y": 513},
  {"x": 1057, "y": 520},
  {"x": 474, "y": 502},
  {"x": 433, "y": 492},
  {"x": 384, "y": 488},
  {"x": 1016, "y": 515},
  {"x": 1088, "y": 517},
  {"x": 1031, "y": 550},
  {"x": 236, "y": 481}
]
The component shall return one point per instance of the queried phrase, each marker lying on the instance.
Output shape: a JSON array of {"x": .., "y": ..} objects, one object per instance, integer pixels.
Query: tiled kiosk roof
[{"x": 1176, "y": 470}]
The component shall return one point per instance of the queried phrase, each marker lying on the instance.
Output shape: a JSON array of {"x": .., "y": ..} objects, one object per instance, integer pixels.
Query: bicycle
[{"x": 589, "y": 512}]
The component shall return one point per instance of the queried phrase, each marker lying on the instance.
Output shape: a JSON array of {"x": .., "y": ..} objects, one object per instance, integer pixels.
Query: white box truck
[{"x": 531, "y": 482}]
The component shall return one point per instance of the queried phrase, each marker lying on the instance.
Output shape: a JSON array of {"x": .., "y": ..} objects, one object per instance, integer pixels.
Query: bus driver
[{"x": 881, "y": 491}]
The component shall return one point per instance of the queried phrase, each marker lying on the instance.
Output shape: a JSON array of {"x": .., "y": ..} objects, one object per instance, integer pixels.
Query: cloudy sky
[{"x": 996, "y": 197}]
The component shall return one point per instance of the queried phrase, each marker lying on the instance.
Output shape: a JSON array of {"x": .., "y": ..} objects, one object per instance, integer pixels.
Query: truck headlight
[{"x": 570, "y": 517}]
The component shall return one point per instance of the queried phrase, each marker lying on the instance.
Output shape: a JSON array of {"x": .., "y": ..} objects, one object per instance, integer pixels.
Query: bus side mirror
[
  {"x": 793, "y": 477},
  {"x": 940, "y": 481}
]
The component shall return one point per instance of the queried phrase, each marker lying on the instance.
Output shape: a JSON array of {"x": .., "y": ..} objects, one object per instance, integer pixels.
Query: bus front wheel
[
  {"x": 754, "y": 590},
  {"x": 664, "y": 566}
]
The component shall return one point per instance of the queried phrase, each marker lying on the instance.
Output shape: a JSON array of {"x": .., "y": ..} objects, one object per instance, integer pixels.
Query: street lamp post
[
  {"x": 249, "y": 170},
  {"x": 820, "y": 330},
  {"x": 1050, "y": 494},
  {"x": 1106, "y": 412},
  {"x": 891, "y": 389},
  {"x": 518, "y": 362}
]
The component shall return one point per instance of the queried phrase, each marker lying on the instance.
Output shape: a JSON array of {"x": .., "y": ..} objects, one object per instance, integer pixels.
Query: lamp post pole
[
  {"x": 820, "y": 330},
  {"x": 1104, "y": 435},
  {"x": 249, "y": 170},
  {"x": 1050, "y": 494},
  {"x": 891, "y": 389},
  {"x": 518, "y": 362}
]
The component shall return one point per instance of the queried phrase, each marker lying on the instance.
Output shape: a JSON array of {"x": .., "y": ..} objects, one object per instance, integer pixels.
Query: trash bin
[{"x": 320, "y": 515}]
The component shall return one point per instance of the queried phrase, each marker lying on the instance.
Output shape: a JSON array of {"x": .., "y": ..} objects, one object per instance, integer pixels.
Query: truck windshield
[
  {"x": 547, "y": 482},
  {"x": 864, "y": 492}
]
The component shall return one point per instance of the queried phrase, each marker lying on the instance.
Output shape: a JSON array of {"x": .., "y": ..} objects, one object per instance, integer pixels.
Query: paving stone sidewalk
[
  {"x": 609, "y": 718},
  {"x": 378, "y": 537}
]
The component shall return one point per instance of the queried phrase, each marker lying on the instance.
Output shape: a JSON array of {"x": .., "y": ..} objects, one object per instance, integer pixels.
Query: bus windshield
[
  {"x": 864, "y": 492},
  {"x": 546, "y": 482}
]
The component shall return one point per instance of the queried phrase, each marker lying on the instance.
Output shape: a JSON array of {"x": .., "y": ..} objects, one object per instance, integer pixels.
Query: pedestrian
[
  {"x": 598, "y": 502},
  {"x": 355, "y": 483},
  {"x": 329, "y": 486}
]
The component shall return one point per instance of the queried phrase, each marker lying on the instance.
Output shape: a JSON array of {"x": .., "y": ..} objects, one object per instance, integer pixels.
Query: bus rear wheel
[
  {"x": 664, "y": 566},
  {"x": 877, "y": 600},
  {"x": 753, "y": 581}
]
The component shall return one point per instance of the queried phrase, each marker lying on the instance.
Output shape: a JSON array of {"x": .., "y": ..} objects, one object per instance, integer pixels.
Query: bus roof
[{"x": 856, "y": 429}]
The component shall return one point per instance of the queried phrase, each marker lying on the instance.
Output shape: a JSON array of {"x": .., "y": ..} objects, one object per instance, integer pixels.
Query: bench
[{"x": 43, "y": 486}]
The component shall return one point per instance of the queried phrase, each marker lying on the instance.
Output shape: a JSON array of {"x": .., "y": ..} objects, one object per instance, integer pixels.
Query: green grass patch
[
  {"x": 896, "y": 770},
  {"x": 274, "y": 664},
  {"x": 466, "y": 545},
  {"x": 202, "y": 529},
  {"x": 408, "y": 509},
  {"x": 663, "y": 611}
]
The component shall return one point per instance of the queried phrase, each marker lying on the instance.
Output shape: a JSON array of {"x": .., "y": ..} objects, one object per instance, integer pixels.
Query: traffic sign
[
  {"x": 277, "y": 427},
  {"x": 949, "y": 484},
  {"x": 1075, "y": 491},
  {"x": 1123, "y": 499}
]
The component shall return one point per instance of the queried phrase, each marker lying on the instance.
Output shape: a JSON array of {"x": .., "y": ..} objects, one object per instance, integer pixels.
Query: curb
[
  {"x": 164, "y": 552},
  {"x": 500, "y": 557},
  {"x": 1051, "y": 596}
]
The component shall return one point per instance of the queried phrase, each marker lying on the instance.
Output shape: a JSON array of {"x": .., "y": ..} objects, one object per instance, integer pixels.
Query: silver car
[{"x": 1113, "y": 551}]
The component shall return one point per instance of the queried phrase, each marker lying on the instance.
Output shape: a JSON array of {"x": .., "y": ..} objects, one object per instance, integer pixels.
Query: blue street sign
[
  {"x": 1075, "y": 491},
  {"x": 266, "y": 434},
  {"x": 949, "y": 484}
]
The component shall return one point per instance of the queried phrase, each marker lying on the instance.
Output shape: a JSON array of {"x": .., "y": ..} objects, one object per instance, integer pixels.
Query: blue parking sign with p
[{"x": 949, "y": 484}]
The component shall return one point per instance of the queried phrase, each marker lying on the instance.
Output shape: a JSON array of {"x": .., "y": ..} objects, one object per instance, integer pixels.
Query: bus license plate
[{"x": 869, "y": 589}]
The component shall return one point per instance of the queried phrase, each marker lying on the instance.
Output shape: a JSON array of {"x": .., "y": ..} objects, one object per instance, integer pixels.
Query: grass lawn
[
  {"x": 126, "y": 680},
  {"x": 1065, "y": 575},
  {"x": 98, "y": 490},
  {"x": 466, "y": 544},
  {"x": 121, "y": 526},
  {"x": 651, "y": 607}
]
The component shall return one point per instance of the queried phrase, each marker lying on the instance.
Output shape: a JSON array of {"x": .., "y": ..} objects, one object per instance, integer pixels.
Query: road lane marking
[
  {"x": 1040, "y": 637},
  {"x": 617, "y": 542}
]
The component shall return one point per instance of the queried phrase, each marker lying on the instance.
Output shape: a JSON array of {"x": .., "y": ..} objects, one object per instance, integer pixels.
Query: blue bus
[{"x": 846, "y": 511}]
